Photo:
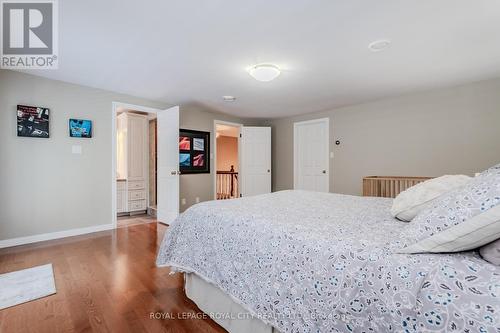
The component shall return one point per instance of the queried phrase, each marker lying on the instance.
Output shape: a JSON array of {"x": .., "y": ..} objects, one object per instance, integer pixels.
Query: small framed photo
[
  {"x": 194, "y": 151},
  {"x": 32, "y": 121},
  {"x": 80, "y": 128},
  {"x": 184, "y": 143}
]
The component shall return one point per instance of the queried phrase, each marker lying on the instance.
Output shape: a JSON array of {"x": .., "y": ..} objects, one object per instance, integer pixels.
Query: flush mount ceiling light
[
  {"x": 228, "y": 98},
  {"x": 264, "y": 72},
  {"x": 379, "y": 45}
]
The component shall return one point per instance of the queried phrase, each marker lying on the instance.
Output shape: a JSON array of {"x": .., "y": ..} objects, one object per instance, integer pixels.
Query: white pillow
[
  {"x": 462, "y": 219},
  {"x": 410, "y": 202}
]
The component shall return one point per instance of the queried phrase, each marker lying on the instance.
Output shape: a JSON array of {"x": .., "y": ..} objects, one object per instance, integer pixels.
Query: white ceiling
[{"x": 195, "y": 51}]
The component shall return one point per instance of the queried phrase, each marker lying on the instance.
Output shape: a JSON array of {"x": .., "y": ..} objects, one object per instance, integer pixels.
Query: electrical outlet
[{"x": 183, "y": 201}]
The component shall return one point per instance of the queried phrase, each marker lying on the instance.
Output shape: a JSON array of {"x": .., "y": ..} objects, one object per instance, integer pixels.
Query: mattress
[{"x": 306, "y": 262}]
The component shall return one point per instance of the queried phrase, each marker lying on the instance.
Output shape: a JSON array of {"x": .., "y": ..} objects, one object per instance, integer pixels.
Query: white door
[
  {"x": 255, "y": 167},
  {"x": 168, "y": 164},
  {"x": 311, "y": 155}
]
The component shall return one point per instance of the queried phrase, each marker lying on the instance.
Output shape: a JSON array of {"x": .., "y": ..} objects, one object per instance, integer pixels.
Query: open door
[
  {"x": 255, "y": 160},
  {"x": 168, "y": 164}
]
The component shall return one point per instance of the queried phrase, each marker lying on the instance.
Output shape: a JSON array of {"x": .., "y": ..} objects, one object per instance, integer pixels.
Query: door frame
[
  {"x": 114, "y": 112},
  {"x": 240, "y": 126},
  {"x": 295, "y": 148}
]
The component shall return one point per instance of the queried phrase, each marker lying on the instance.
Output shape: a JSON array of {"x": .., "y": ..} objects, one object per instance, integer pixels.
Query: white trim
[
  {"x": 214, "y": 163},
  {"x": 295, "y": 161},
  {"x": 54, "y": 235},
  {"x": 114, "y": 109}
]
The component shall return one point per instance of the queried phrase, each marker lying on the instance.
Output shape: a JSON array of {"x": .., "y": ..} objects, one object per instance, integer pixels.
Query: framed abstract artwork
[
  {"x": 194, "y": 151},
  {"x": 32, "y": 121},
  {"x": 79, "y": 128}
]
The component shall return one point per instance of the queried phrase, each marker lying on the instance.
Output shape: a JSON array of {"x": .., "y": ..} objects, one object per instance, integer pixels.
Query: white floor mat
[{"x": 26, "y": 285}]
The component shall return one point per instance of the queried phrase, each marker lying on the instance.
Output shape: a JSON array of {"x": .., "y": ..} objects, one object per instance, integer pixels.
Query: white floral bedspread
[{"x": 319, "y": 262}]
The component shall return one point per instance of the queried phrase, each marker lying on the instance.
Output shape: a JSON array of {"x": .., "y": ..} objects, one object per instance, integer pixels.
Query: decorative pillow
[
  {"x": 413, "y": 200},
  {"x": 491, "y": 252},
  {"x": 462, "y": 219}
]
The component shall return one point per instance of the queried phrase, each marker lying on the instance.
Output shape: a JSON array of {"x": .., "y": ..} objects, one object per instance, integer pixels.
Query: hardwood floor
[
  {"x": 106, "y": 282},
  {"x": 124, "y": 221}
]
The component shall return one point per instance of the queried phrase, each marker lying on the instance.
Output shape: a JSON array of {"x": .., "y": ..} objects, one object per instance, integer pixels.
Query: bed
[{"x": 299, "y": 261}]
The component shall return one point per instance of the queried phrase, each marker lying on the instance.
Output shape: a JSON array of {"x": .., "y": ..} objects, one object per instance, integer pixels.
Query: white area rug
[{"x": 26, "y": 285}]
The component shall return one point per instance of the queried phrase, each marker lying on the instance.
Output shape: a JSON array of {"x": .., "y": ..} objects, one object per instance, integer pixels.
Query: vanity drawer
[
  {"x": 136, "y": 205},
  {"x": 137, "y": 195},
  {"x": 136, "y": 185}
]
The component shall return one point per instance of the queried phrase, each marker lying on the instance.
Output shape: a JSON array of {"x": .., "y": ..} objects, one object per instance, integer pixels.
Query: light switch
[
  {"x": 331, "y": 154},
  {"x": 211, "y": 156},
  {"x": 76, "y": 150}
]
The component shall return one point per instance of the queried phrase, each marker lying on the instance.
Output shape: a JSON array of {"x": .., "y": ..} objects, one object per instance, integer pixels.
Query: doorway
[
  {"x": 145, "y": 164},
  {"x": 135, "y": 166},
  {"x": 311, "y": 155},
  {"x": 227, "y": 160},
  {"x": 153, "y": 166}
]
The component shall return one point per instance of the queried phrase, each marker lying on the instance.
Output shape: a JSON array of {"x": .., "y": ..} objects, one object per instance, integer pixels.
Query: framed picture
[
  {"x": 32, "y": 121},
  {"x": 79, "y": 128},
  {"x": 194, "y": 151}
]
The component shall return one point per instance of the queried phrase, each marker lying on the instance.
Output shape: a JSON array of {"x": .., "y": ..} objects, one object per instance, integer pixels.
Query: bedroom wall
[
  {"x": 45, "y": 188},
  {"x": 446, "y": 131},
  {"x": 202, "y": 185}
]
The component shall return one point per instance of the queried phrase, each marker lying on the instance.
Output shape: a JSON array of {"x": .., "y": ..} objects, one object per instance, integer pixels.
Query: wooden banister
[
  {"x": 227, "y": 185},
  {"x": 389, "y": 186}
]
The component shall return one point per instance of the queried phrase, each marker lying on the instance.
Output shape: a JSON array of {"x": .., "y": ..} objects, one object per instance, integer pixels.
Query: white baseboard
[{"x": 53, "y": 235}]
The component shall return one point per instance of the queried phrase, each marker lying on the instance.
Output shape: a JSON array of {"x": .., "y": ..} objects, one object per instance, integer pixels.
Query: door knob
[
  {"x": 324, "y": 171},
  {"x": 268, "y": 170},
  {"x": 173, "y": 173}
]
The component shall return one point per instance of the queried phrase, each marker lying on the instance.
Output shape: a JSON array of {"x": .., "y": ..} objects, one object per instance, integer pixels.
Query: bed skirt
[{"x": 222, "y": 308}]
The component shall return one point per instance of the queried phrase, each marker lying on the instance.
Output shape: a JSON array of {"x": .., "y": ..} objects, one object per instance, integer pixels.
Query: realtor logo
[{"x": 29, "y": 34}]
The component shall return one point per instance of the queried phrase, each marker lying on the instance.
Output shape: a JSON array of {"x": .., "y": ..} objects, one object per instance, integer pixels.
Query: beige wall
[
  {"x": 454, "y": 130},
  {"x": 202, "y": 185},
  {"x": 227, "y": 153},
  {"x": 44, "y": 187}
]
